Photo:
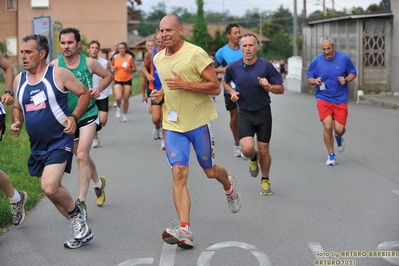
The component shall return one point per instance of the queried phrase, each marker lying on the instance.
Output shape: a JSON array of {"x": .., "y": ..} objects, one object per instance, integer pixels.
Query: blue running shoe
[
  {"x": 331, "y": 159},
  {"x": 340, "y": 143}
]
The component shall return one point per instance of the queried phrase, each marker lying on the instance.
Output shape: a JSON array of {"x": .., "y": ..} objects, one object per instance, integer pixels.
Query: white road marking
[
  {"x": 133, "y": 262},
  {"x": 168, "y": 255},
  {"x": 206, "y": 256},
  {"x": 387, "y": 246}
]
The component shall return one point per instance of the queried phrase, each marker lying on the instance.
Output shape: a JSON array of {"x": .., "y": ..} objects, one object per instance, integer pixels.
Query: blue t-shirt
[
  {"x": 253, "y": 96},
  {"x": 225, "y": 56},
  {"x": 329, "y": 71}
]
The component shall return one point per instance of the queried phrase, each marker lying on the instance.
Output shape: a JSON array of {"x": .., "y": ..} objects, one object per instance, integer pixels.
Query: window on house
[
  {"x": 40, "y": 3},
  {"x": 11, "y": 43},
  {"x": 11, "y": 5}
]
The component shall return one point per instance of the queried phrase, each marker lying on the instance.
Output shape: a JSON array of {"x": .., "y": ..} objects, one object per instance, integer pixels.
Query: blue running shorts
[
  {"x": 36, "y": 163},
  {"x": 177, "y": 146}
]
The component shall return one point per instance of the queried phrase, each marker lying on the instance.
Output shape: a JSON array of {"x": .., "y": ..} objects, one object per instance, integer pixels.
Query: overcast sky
[{"x": 239, "y": 7}]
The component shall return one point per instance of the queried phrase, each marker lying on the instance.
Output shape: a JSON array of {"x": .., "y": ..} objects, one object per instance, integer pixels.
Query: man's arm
[
  {"x": 67, "y": 81},
  {"x": 210, "y": 87},
  {"x": 133, "y": 67},
  {"x": 147, "y": 62},
  {"x": 17, "y": 115},
  {"x": 96, "y": 68},
  {"x": 227, "y": 87},
  {"x": 315, "y": 81},
  {"x": 7, "y": 98},
  {"x": 7, "y": 67}
]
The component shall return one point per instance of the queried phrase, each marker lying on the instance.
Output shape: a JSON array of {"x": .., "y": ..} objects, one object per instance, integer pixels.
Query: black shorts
[
  {"x": 148, "y": 92},
  {"x": 87, "y": 122},
  {"x": 123, "y": 83},
  {"x": 102, "y": 105},
  {"x": 256, "y": 122},
  {"x": 2, "y": 125},
  {"x": 230, "y": 105},
  {"x": 160, "y": 103}
]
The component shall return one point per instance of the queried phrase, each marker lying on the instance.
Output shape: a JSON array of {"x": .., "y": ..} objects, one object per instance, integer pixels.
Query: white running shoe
[
  {"x": 234, "y": 199},
  {"x": 160, "y": 133},
  {"x": 181, "y": 236},
  {"x": 340, "y": 143},
  {"x": 156, "y": 133},
  {"x": 18, "y": 209},
  {"x": 331, "y": 160},
  {"x": 118, "y": 112},
  {"x": 95, "y": 143},
  {"x": 81, "y": 232},
  {"x": 162, "y": 145},
  {"x": 237, "y": 151},
  {"x": 124, "y": 119}
]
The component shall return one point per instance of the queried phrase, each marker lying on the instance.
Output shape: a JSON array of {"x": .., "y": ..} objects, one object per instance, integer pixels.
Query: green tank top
[{"x": 83, "y": 74}]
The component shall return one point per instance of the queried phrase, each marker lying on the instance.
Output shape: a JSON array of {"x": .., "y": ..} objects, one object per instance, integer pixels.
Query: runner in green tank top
[
  {"x": 83, "y": 68},
  {"x": 83, "y": 74}
]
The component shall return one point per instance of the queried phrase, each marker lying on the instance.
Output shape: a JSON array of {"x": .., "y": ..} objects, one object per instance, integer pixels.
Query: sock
[
  {"x": 236, "y": 143},
  {"x": 81, "y": 199},
  {"x": 229, "y": 191},
  {"x": 16, "y": 197},
  {"x": 99, "y": 183},
  {"x": 265, "y": 178},
  {"x": 185, "y": 224},
  {"x": 74, "y": 212},
  {"x": 255, "y": 157}
]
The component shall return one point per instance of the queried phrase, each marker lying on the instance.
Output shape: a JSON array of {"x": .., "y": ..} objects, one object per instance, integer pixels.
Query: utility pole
[
  {"x": 295, "y": 30},
  {"x": 324, "y": 8},
  {"x": 260, "y": 30},
  {"x": 304, "y": 20}
]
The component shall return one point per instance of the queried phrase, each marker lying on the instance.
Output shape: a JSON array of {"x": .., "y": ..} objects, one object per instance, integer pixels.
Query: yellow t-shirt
[{"x": 193, "y": 109}]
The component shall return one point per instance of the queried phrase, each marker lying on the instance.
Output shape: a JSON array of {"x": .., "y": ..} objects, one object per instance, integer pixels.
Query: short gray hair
[
  {"x": 327, "y": 39},
  {"x": 41, "y": 42}
]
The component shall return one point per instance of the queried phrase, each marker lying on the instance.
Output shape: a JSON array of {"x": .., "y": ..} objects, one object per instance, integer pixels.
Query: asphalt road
[{"x": 317, "y": 214}]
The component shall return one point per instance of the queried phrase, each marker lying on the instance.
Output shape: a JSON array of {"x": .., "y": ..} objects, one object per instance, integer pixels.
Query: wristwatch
[
  {"x": 346, "y": 80},
  {"x": 10, "y": 92},
  {"x": 75, "y": 117}
]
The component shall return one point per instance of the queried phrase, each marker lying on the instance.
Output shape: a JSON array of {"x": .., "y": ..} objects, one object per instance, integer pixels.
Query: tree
[
  {"x": 183, "y": 13},
  {"x": 131, "y": 2},
  {"x": 201, "y": 36},
  {"x": 151, "y": 21},
  {"x": 373, "y": 8},
  {"x": 357, "y": 10},
  {"x": 84, "y": 46},
  {"x": 278, "y": 28},
  {"x": 217, "y": 41},
  {"x": 3, "y": 49},
  {"x": 385, "y": 5},
  {"x": 280, "y": 44},
  {"x": 283, "y": 19}
]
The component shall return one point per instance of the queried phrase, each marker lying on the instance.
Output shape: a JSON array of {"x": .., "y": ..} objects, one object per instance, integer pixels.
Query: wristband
[{"x": 75, "y": 117}]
